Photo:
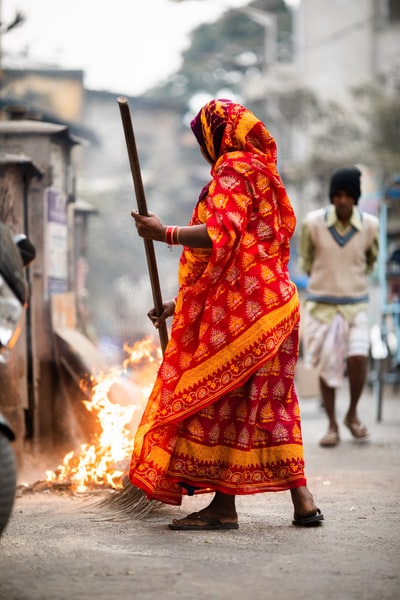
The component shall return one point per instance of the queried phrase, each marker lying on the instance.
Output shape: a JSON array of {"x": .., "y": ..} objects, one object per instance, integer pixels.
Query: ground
[{"x": 58, "y": 546}]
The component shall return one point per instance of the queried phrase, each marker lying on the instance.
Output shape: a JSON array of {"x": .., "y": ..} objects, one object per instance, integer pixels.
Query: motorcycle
[{"x": 16, "y": 253}]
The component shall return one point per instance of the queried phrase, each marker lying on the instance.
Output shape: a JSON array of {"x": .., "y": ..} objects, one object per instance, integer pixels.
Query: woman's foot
[
  {"x": 306, "y": 512},
  {"x": 197, "y": 521},
  {"x": 219, "y": 514}
]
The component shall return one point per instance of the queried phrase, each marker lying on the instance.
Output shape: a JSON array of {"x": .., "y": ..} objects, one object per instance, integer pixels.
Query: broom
[{"x": 129, "y": 499}]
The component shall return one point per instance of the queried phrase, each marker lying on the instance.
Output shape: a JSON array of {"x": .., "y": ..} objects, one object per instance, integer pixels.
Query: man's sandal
[
  {"x": 330, "y": 439},
  {"x": 357, "y": 430}
]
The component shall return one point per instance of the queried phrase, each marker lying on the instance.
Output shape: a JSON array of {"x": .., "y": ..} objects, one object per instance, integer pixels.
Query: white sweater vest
[{"x": 338, "y": 273}]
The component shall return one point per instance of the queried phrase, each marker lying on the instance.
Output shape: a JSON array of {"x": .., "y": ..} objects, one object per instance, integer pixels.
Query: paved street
[{"x": 59, "y": 547}]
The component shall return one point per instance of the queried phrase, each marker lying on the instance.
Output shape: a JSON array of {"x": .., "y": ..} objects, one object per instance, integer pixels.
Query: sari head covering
[
  {"x": 234, "y": 333},
  {"x": 224, "y": 126}
]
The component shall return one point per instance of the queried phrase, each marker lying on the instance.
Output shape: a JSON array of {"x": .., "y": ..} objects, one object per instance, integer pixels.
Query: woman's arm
[
  {"x": 150, "y": 227},
  {"x": 194, "y": 236}
]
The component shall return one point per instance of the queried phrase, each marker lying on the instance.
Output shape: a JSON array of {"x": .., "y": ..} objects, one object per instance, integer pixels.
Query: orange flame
[{"x": 101, "y": 463}]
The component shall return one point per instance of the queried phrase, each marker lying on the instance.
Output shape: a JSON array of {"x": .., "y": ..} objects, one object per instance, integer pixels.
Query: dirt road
[{"x": 58, "y": 547}]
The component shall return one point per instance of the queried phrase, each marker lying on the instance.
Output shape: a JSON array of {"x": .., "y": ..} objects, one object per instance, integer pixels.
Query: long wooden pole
[{"x": 142, "y": 209}]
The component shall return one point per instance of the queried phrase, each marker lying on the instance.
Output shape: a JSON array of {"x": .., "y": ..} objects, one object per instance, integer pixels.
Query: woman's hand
[
  {"x": 169, "y": 309},
  {"x": 149, "y": 227}
]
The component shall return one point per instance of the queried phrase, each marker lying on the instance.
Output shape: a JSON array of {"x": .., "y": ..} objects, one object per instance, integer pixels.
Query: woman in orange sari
[{"x": 223, "y": 415}]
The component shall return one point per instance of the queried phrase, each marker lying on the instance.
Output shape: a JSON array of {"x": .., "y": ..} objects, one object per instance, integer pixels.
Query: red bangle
[
  {"x": 168, "y": 233},
  {"x": 171, "y": 235}
]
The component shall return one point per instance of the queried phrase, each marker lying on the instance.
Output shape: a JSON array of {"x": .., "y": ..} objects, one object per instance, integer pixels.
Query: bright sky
[{"x": 123, "y": 46}]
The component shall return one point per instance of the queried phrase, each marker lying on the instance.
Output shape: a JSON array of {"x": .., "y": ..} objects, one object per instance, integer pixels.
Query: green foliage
[
  {"x": 221, "y": 53},
  {"x": 214, "y": 58}
]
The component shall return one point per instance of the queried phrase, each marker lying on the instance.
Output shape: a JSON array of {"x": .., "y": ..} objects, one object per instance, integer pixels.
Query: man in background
[{"x": 339, "y": 247}]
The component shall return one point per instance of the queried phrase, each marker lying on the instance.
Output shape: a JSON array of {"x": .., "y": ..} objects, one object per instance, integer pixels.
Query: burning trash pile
[{"x": 101, "y": 463}]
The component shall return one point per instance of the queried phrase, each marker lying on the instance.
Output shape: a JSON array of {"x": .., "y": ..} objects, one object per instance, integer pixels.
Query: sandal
[
  {"x": 201, "y": 522},
  {"x": 315, "y": 518},
  {"x": 357, "y": 430},
  {"x": 330, "y": 439}
]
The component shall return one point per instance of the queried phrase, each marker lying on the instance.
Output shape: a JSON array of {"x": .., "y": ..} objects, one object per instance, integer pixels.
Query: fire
[{"x": 101, "y": 463}]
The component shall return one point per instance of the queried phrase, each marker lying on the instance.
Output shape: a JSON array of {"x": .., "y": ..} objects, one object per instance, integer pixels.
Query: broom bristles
[{"x": 130, "y": 501}]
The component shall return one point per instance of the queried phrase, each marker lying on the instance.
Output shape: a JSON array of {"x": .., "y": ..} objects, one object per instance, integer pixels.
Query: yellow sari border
[{"x": 279, "y": 322}]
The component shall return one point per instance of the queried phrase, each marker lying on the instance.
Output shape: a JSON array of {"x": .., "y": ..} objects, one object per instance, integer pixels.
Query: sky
[{"x": 123, "y": 46}]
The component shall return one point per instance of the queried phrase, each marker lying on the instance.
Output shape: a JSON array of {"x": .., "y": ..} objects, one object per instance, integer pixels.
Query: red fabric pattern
[
  {"x": 248, "y": 441},
  {"x": 223, "y": 414}
]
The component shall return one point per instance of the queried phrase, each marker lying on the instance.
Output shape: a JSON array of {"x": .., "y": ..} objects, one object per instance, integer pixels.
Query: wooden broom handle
[{"x": 142, "y": 209}]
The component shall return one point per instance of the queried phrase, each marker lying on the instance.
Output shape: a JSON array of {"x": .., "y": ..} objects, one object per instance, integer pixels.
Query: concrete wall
[
  {"x": 23, "y": 206},
  {"x": 58, "y": 92},
  {"x": 341, "y": 44}
]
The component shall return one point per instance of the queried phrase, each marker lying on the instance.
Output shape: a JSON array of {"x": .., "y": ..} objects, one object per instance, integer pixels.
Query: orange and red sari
[{"x": 223, "y": 414}]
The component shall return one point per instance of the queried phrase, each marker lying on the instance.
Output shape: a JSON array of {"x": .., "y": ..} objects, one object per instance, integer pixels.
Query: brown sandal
[
  {"x": 201, "y": 522},
  {"x": 330, "y": 439},
  {"x": 357, "y": 430}
]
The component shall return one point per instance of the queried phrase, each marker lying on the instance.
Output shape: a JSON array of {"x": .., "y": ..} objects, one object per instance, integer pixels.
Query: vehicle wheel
[{"x": 8, "y": 480}]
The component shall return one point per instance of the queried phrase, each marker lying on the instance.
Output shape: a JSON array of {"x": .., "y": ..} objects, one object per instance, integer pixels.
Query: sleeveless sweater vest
[{"x": 338, "y": 274}]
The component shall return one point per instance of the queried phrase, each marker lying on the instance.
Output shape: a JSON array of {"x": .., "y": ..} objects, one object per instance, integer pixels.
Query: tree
[
  {"x": 222, "y": 53},
  {"x": 19, "y": 19}
]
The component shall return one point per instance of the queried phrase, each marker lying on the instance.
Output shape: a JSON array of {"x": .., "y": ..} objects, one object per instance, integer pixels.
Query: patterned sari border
[
  {"x": 243, "y": 363},
  {"x": 275, "y": 454}
]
